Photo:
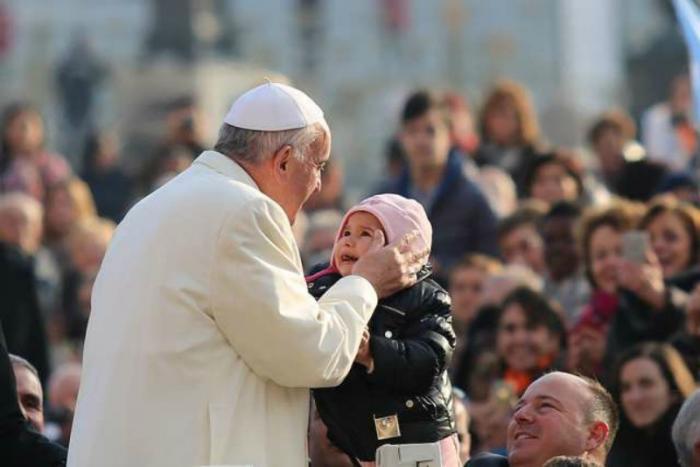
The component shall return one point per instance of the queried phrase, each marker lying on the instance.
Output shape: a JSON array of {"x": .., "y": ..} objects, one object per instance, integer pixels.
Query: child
[{"x": 397, "y": 392}]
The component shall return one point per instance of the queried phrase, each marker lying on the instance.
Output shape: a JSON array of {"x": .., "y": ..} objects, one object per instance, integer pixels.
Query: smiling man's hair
[{"x": 601, "y": 407}]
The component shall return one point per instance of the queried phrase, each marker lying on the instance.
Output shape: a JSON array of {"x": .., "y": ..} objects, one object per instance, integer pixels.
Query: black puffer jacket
[{"x": 411, "y": 342}]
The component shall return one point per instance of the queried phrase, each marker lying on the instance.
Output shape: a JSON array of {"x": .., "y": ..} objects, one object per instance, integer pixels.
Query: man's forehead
[{"x": 563, "y": 387}]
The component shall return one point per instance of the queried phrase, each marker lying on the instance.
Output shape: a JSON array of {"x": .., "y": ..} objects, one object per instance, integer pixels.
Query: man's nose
[{"x": 523, "y": 415}]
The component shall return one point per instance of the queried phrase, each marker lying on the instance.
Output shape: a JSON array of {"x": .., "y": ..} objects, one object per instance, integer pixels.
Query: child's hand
[{"x": 364, "y": 353}]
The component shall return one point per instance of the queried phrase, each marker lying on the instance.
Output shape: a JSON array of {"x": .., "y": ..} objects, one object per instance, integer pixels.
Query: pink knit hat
[{"x": 398, "y": 216}]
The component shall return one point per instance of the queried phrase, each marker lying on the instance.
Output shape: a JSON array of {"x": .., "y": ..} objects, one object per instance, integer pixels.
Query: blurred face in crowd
[
  {"x": 87, "y": 254},
  {"x": 18, "y": 228},
  {"x": 466, "y": 285},
  {"x": 544, "y": 341},
  {"x": 514, "y": 339},
  {"x": 681, "y": 95},
  {"x": 523, "y": 245},
  {"x": 550, "y": 420},
  {"x": 355, "y": 240},
  {"x": 644, "y": 392},
  {"x": 61, "y": 213},
  {"x": 560, "y": 251},
  {"x": 609, "y": 147},
  {"x": 502, "y": 124},
  {"x": 605, "y": 254},
  {"x": 25, "y": 133},
  {"x": 63, "y": 395},
  {"x": 553, "y": 183},
  {"x": 671, "y": 242},
  {"x": 30, "y": 395},
  {"x": 64, "y": 390},
  {"x": 426, "y": 140},
  {"x": 107, "y": 152}
]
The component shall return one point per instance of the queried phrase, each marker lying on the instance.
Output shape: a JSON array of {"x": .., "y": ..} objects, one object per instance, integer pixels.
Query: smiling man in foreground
[{"x": 559, "y": 414}]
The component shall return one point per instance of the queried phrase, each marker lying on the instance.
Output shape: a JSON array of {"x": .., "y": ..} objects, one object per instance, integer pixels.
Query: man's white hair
[
  {"x": 686, "y": 429},
  {"x": 254, "y": 146}
]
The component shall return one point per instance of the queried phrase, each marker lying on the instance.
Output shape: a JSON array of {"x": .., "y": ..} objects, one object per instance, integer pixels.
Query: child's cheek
[{"x": 363, "y": 245}]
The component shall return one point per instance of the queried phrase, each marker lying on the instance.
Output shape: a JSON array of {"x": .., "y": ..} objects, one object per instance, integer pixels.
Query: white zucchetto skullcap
[{"x": 273, "y": 107}]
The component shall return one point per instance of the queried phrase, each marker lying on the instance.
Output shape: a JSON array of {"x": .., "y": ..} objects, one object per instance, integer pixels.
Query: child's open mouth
[{"x": 348, "y": 258}]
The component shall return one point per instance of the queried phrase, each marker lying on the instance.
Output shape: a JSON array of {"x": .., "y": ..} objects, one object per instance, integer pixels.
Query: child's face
[{"x": 355, "y": 240}]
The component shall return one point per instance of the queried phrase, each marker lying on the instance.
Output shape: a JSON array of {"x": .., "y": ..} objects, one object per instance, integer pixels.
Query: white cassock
[{"x": 203, "y": 341}]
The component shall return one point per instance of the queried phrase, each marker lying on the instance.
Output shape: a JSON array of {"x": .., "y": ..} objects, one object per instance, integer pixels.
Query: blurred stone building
[{"x": 357, "y": 58}]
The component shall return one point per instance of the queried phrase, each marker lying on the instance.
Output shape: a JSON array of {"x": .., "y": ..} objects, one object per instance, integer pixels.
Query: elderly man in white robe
[{"x": 203, "y": 340}]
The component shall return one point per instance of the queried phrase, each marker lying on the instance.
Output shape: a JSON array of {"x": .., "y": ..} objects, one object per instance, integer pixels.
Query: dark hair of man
[
  {"x": 526, "y": 215},
  {"x": 615, "y": 120},
  {"x": 420, "y": 103},
  {"x": 562, "y": 160},
  {"x": 562, "y": 209},
  {"x": 483, "y": 263}
]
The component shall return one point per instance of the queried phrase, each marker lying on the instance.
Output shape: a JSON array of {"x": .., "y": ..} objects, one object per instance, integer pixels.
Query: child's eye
[
  {"x": 366, "y": 233},
  {"x": 346, "y": 233}
]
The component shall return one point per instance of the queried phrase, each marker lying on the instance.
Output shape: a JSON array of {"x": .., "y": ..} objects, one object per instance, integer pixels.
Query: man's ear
[
  {"x": 597, "y": 435},
  {"x": 280, "y": 160}
]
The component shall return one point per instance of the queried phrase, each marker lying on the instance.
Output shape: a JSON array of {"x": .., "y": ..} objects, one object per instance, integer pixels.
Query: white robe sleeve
[{"x": 261, "y": 303}]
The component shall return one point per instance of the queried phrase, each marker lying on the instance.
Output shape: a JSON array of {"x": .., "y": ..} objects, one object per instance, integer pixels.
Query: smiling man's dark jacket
[{"x": 488, "y": 460}]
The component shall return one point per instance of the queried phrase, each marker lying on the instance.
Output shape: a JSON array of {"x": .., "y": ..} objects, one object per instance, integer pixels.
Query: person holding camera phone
[
  {"x": 632, "y": 302},
  {"x": 651, "y": 306}
]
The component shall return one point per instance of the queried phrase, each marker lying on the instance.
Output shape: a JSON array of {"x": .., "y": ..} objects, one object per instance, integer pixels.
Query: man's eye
[{"x": 31, "y": 403}]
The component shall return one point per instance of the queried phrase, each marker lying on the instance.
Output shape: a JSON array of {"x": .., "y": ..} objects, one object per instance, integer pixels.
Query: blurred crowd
[{"x": 577, "y": 259}]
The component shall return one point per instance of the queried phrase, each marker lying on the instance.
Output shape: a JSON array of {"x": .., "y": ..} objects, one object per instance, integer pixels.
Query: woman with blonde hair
[
  {"x": 509, "y": 131},
  {"x": 67, "y": 203}
]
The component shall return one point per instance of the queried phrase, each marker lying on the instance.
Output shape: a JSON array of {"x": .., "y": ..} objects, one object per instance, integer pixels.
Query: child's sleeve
[{"x": 411, "y": 365}]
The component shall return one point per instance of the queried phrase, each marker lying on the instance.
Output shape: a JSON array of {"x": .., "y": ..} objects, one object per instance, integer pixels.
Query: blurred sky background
[{"x": 357, "y": 58}]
